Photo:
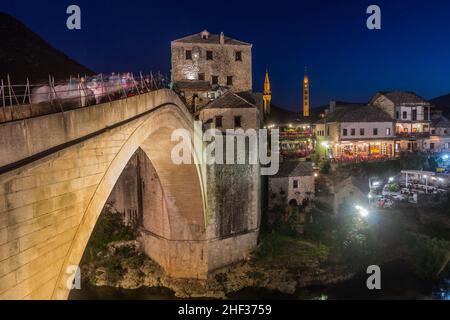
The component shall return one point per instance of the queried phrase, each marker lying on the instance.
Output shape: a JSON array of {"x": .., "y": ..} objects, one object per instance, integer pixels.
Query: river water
[{"x": 398, "y": 283}]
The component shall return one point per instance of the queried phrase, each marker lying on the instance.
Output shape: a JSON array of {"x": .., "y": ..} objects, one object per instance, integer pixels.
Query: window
[
  {"x": 328, "y": 131},
  {"x": 201, "y": 76},
  {"x": 397, "y": 115},
  {"x": 215, "y": 80},
  {"x": 295, "y": 184},
  {"x": 388, "y": 131},
  {"x": 433, "y": 131},
  {"x": 375, "y": 131},
  {"x": 188, "y": 55},
  {"x": 344, "y": 132},
  {"x": 237, "y": 121},
  {"x": 209, "y": 55},
  {"x": 219, "y": 122},
  {"x": 432, "y": 146},
  {"x": 361, "y": 131},
  {"x": 229, "y": 80},
  {"x": 414, "y": 115},
  {"x": 426, "y": 115},
  {"x": 353, "y": 132},
  {"x": 238, "y": 56},
  {"x": 405, "y": 115}
]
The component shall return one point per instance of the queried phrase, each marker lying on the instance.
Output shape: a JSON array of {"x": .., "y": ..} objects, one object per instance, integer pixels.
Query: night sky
[{"x": 345, "y": 60}]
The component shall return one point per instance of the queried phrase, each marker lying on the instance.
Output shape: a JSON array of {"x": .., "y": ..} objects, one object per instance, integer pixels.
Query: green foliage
[
  {"x": 114, "y": 270},
  {"x": 291, "y": 252},
  {"x": 430, "y": 257},
  {"x": 394, "y": 187},
  {"x": 320, "y": 227},
  {"x": 413, "y": 161},
  {"x": 369, "y": 169},
  {"x": 109, "y": 228}
]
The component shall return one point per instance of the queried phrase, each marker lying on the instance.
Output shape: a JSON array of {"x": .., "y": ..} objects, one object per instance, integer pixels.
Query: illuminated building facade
[{"x": 204, "y": 63}]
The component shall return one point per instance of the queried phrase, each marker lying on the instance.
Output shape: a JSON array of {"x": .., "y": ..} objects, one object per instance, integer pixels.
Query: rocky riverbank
[{"x": 122, "y": 265}]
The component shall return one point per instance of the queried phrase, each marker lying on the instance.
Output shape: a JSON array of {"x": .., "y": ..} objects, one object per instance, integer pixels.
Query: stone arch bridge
[{"x": 57, "y": 171}]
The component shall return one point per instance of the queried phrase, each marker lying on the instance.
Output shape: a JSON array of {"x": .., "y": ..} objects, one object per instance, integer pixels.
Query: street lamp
[
  {"x": 391, "y": 179},
  {"x": 362, "y": 211}
]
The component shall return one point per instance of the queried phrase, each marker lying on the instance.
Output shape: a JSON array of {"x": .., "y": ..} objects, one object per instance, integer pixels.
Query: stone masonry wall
[{"x": 222, "y": 65}]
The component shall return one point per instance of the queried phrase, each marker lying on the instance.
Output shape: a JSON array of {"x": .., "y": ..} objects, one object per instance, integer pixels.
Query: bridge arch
[{"x": 49, "y": 206}]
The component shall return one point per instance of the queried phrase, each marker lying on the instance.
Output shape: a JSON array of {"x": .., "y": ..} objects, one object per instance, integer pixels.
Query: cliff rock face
[{"x": 25, "y": 54}]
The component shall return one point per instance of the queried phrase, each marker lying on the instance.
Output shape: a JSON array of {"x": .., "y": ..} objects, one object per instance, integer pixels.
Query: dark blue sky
[{"x": 345, "y": 60}]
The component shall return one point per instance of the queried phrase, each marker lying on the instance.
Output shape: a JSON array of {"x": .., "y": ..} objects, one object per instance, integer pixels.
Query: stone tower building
[{"x": 204, "y": 62}]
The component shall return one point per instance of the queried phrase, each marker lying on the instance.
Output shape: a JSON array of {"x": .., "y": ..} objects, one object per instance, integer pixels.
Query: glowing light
[
  {"x": 362, "y": 211},
  {"x": 325, "y": 144},
  {"x": 445, "y": 157},
  {"x": 316, "y": 175},
  {"x": 391, "y": 179}
]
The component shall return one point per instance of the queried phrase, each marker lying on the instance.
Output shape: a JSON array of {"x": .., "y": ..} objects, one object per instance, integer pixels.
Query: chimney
[
  {"x": 222, "y": 38},
  {"x": 332, "y": 106}
]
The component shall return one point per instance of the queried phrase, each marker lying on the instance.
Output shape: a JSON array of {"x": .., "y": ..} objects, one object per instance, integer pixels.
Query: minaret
[
  {"x": 267, "y": 94},
  {"x": 306, "y": 95}
]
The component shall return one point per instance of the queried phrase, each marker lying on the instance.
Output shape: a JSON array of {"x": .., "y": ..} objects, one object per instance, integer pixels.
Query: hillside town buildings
[{"x": 390, "y": 124}]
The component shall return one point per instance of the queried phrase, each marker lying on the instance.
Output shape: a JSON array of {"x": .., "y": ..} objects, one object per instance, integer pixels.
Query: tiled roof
[
  {"x": 295, "y": 169},
  {"x": 230, "y": 100},
  {"x": 358, "y": 113},
  {"x": 211, "y": 39},
  {"x": 441, "y": 122},
  {"x": 401, "y": 97}
]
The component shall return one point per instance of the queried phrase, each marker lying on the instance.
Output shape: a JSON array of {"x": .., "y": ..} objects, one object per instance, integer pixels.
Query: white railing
[{"x": 80, "y": 91}]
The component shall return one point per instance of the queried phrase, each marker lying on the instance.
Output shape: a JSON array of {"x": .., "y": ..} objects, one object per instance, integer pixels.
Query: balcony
[{"x": 412, "y": 135}]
